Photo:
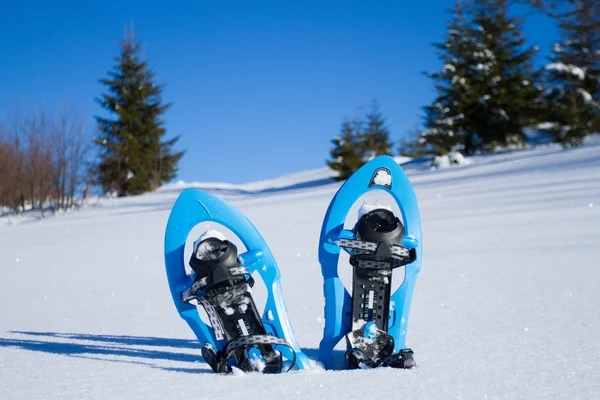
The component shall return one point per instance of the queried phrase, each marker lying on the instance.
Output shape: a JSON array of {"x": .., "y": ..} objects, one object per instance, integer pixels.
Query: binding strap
[
  {"x": 218, "y": 360},
  {"x": 240, "y": 272},
  {"x": 191, "y": 295},
  {"x": 381, "y": 255}
]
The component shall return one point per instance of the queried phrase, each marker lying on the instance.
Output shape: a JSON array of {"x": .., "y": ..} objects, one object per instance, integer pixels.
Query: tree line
[
  {"x": 50, "y": 159},
  {"x": 488, "y": 91},
  {"x": 360, "y": 139}
]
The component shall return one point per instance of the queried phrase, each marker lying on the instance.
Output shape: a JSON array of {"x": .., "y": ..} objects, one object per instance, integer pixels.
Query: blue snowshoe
[
  {"x": 238, "y": 334},
  {"x": 372, "y": 319}
]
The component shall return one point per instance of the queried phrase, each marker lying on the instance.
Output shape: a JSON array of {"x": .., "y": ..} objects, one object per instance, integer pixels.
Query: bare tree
[
  {"x": 43, "y": 159},
  {"x": 37, "y": 155},
  {"x": 17, "y": 175},
  {"x": 8, "y": 161},
  {"x": 72, "y": 146}
]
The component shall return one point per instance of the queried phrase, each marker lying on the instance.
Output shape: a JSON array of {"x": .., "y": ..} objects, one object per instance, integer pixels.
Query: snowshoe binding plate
[
  {"x": 237, "y": 335},
  {"x": 372, "y": 319}
]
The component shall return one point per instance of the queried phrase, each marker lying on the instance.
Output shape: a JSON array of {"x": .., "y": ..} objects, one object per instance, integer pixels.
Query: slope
[{"x": 506, "y": 304}]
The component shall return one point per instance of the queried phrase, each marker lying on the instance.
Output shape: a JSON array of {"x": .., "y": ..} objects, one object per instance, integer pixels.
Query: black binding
[
  {"x": 375, "y": 252},
  {"x": 222, "y": 287}
]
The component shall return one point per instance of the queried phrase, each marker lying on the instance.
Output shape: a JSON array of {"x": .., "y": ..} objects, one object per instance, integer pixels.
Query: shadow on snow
[{"x": 105, "y": 346}]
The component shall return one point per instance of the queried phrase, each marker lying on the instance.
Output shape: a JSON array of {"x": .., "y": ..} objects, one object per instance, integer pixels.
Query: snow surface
[{"x": 506, "y": 305}]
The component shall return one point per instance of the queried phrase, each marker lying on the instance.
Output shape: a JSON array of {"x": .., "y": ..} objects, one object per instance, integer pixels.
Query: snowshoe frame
[
  {"x": 193, "y": 207},
  {"x": 381, "y": 173}
]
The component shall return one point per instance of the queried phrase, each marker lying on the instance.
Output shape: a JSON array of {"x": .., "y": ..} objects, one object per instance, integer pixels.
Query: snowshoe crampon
[
  {"x": 371, "y": 318},
  {"x": 238, "y": 334}
]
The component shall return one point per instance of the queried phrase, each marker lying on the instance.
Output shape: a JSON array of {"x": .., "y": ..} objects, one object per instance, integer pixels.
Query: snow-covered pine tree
[
  {"x": 347, "y": 154},
  {"x": 375, "y": 138},
  {"x": 508, "y": 88},
  {"x": 412, "y": 144},
  {"x": 487, "y": 86},
  {"x": 444, "y": 119},
  {"x": 573, "y": 75},
  {"x": 133, "y": 156}
]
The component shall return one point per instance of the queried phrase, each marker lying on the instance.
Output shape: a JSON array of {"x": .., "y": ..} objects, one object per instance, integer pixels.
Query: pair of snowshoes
[{"x": 371, "y": 319}]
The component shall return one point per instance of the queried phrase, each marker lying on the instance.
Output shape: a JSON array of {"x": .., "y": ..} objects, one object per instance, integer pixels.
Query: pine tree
[
  {"x": 413, "y": 145},
  {"x": 487, "y": 86},
  {"x": 574, "y": 75},
  {"x": 375, "y": 138},
  {"x": 347, "y": 154},
  {"x": 509, "y": 78},
  {"x": 445, "y": 118},
  {"x": 133, "y": 156}
]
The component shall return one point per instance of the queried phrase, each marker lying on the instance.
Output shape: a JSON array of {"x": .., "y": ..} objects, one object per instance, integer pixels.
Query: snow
[
  {"x": 298, "y": 180},
  {"x": 206, "y": 250},
  {"x": 557, "y": 48},
  {"x": 211, "y": 233},
  {"x": 366, "y": 208},
  {"x": 547, "y": 125},
  {"x": 458, "y": 159},
  {"x": 448, "y": 160},
  {"x": 449, "y": 121},
  {"x": 485, "y": 53},
  {"x": 228, "y": 310},
  {"x": 506, "y": 305},
  {"x": 459, "y": 79},
  {"x": 243, "y": 304},
  {"x": 258, "y": 363},
  {"x": 568, "y": 68},
  {"x": 383, "y": 178},
  {"x": 441, "y": 162},
  {"x": 448, "y": 68},
  {"x": 587, "y": 97}
]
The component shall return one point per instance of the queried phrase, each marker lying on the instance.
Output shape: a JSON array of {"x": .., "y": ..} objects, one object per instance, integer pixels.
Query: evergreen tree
[
  {"x": 375, "y": 139},
  {"x": 445, "y": 118},
  {"x": 413, "y": 145},
  {"x": 487, "y": 91},
  {"x": 511, "y": 83},
  {"x": 347, "y": 154},
  {"x": 574, "y": 75},
  {"x": 133, "y": 156}
]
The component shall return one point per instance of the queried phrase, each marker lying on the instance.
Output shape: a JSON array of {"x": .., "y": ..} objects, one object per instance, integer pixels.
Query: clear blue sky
[{"x": 258, "y": 88}]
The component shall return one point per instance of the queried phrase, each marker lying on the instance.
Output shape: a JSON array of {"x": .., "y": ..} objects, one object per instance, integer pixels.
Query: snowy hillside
[{"x": 506, "y": 305}]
